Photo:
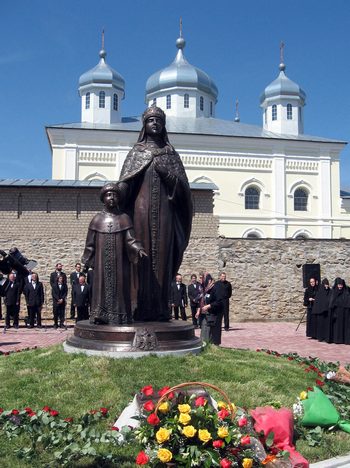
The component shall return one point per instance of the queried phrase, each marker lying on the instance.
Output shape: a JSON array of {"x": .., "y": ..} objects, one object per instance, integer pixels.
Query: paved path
[{"x": 277, "y": 336}]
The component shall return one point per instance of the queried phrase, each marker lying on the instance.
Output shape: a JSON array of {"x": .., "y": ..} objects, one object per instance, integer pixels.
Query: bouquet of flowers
[{"x": 184, "y": 430}]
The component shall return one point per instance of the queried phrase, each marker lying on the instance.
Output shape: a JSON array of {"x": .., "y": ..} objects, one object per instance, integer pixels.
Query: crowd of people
[
  {"x": 328, "y": 311},
  {"x": 33, "y": 291}
]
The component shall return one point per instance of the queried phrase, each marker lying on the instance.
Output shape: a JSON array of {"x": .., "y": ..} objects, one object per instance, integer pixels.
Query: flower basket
[{"x": 184, "y": 430}]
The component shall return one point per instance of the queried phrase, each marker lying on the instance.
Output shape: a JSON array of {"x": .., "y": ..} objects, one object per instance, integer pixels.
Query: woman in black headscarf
[
  {"x": 212, "y": 310},
  {"x": 320, "y": 310},
  {"x": 309, "y": 299},
  {"x": 339, "y": 310}
]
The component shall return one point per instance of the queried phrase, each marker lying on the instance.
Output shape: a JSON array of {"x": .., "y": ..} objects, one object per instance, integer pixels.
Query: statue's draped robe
[
  {"x": 161, "y": 208},
  {"x": 109, "y": 249}
]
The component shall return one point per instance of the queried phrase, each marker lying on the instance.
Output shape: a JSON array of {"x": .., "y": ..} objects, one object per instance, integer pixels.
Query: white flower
[{"x": 330, "y": 375}]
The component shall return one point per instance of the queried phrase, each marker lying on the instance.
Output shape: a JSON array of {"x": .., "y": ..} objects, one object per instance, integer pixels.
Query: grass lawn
[{"x": 74, "y": 383}]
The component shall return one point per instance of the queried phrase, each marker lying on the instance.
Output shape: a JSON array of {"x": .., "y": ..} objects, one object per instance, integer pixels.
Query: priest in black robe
[
  {"x": 320, "y": 310},
  {"x": 159, "y": 202},
  {"x": 309, "y": 299},
  {"x": 339, "y": 312}
]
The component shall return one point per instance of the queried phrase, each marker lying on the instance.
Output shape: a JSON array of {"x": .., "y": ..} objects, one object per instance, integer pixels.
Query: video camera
[{"x": 14, "y": 260}]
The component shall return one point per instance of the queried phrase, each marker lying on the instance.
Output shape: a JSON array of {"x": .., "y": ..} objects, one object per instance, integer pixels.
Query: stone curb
[{"x": 335, "y": 462}]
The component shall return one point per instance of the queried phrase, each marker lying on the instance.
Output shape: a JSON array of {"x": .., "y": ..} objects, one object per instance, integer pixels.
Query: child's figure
[{"x": 109, "y": 249}]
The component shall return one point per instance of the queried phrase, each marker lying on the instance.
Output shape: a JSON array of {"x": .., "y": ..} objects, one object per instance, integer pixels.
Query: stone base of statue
[{"x": 135, "y": 340}]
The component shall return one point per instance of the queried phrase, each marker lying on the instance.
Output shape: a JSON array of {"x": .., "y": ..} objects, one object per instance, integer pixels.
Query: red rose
[
  {"x": 258, "y": 350},
  {"x": 319, "y": 383},
  {"x": 114, "y": 428},
  {"x": 242, "y": 421},
  {"x": 148, "y": 390},
  {"x": 200, "y": 401},
  {"x": 234, "y": 451},
  {"x": 148, "y": 406},
  {"x": 31, "y": 414},
  {"x": 15, "y": 412},
  {"x": 222, "y": 414},
  {"x": 310, "y": 389},
  {"x": 54, "y": 413},
  {"x": 164, "y": 390},
  {"x": 290, "y": 358},
  {"x": 69, "y": 420},
  {"x": 245, "y": 440},
  {"x": 218, "y": 443},
  {"x": 1, "y": 410},
  {"x": 225, "y": 463},
  {"x": 47, "y": 409},
  {"x": 142, "y": 458},
  {"x": 153, "y": 419},
  {"x": 104, "y": 411},
  {"x": 28, "y": 410}
]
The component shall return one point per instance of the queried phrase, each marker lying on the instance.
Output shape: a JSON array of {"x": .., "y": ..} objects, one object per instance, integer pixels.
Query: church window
[
  {"x": 300, "y": 200},
  {"x": 115, "y": 102},
  {"x": 87, "y": 101},
  {"x": 252, "y": 197},
  {"x": 201, "y": 103},
  {"x": 265, "y": 114},
  {"x": 168, "y": 101},
  {"x": 101, "y": 100},
  {"x": 289, "y": 112},
  {"x": 253, "y": 235},
  {"x": 300, "y": 115},
  {"x": 274, "y": 112},
  {"x": 211, "y": 109},
  {"x": 186, "y": 101}
]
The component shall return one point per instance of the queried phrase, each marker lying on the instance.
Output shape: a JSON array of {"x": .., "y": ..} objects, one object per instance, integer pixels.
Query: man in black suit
[
  {"x": 227, "y": 293},
  {"x": 178, "y": 297},
  {"x": 81, "y": 298},
  {"x": 59, "y": 296},
  {"x": 194, "y": 293},
  {"x": 12, "y": 293},
  {"x": 74, "y": 279},
  {"x": 34, "y": 294},
  {"x": 58, "y": 272}
]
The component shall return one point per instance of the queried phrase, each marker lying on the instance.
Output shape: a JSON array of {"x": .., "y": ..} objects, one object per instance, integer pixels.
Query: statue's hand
[
  {"x": 162, "y": 171},
  {"x": 141, "y": 253},
  {"x": 86, "y": 269}
]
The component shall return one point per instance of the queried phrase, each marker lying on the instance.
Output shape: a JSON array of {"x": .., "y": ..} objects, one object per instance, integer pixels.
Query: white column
[
  {"x": 70, "y": 164},
  {"x": 325, "y": 196},
  {"x": 279, "y": 185}
]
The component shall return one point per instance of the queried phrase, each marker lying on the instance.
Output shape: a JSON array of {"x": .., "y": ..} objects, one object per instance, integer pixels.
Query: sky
[{"x": 46, "y": 45}]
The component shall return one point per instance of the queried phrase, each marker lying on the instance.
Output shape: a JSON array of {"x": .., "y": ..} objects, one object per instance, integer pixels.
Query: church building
[{"x": 269, "y": 182}]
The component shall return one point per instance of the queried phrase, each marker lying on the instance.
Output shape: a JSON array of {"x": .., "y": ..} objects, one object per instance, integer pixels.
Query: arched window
[
  {"x": 300, "y": 200},
  {"x": 186, "y": 101},
  {"x": 115, "y": 102},
  {"x": 201, "y": 103},
  {"x": 274, "y": 112},
  {"x": 289, "y": 112},
  {"x": 211, "y": 109},
  {"x": 251, "y": 198},
  {"x": 101, "y": 100},
  {"x": 253, "y": 235},
  {"x": 87, "y": 101},
  {"x": 168, "y": 101},
  {"x": 301, "y": 237}
]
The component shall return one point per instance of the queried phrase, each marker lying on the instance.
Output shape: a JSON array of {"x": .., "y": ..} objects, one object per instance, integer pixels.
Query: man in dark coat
[
  {"x": 12, "y": 294},
  {"x": 178, "y": 298},
  {"x": 58, "y": 272},
  {"x": 59, "y": 296},
  {"x": 339, "y": 306},
  {"x": 81, "y": 299},
  {"x": 74, "y": 279},
  {"x": 159, "y": 202},
  {"x": 194, "y": 291},
  {"x": 321, "y": 310},
  {"x": 309, "y": 299},
  {"x": 226, "y": 293},
  {"x": 34, "y": 294}
]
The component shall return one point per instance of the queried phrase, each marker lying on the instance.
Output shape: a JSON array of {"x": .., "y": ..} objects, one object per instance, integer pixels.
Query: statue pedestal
[{"x": 136, "y": 340}]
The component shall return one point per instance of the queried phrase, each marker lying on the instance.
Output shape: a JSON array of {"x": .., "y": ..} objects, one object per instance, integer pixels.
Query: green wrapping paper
[{"x": 320, "y": 411}]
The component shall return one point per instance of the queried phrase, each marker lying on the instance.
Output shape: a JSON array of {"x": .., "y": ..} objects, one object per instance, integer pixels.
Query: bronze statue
[
  {"x": 110, "y": 248},
  {"x": 159, "y": 202}
]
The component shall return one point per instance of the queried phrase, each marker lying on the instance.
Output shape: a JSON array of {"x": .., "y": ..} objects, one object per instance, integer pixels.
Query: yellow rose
[
  {"x": 189, "y": 431},
  {"x": 184, "y": 418},
  {"x": 164, "y": 407},
  {"x": 223, "y": 432},
  {"x": 247, "y": 463},
  {"x": 184, "y": 408},
  {"x": 222, "y": 404},
  {"x": 204, "y": 435},
  {"x": 164, "y": 455},
  {"x": 303, "y": 396},
  {"x": 162, "y": 435}
]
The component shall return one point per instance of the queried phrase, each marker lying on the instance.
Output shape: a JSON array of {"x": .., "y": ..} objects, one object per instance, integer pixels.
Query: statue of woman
[
  {"x": 159, "y": 202},
  {"x": 110, "y": 248}
]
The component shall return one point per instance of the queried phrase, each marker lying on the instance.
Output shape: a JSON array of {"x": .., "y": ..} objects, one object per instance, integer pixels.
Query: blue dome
[
  {"x": 181, "y": 74},
  {"x": 102, "y": 73},
  {"x": 282, "y": 86}
]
